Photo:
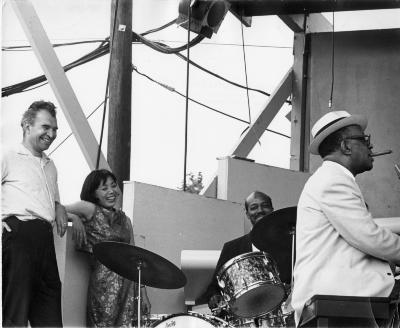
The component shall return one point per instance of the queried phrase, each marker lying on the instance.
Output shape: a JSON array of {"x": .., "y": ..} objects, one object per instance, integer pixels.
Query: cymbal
[
  {"x": 124, "y": 259},
  {"x": 273, "y": 234}
]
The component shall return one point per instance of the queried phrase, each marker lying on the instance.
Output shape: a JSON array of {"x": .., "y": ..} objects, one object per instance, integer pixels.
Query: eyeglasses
[{"x": 366, "y": 138}]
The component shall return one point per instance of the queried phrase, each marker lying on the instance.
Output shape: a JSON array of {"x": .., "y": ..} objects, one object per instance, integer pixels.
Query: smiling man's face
[
  {"x": 258, "y": 206},
  {"x": 41, "y": 133}
]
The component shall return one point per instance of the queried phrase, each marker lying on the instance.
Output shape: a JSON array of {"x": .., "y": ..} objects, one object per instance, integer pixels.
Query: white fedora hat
[{"x": 331, "y": 122}]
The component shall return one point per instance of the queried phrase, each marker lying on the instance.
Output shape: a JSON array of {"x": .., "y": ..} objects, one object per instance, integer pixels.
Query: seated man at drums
[{"x": 257, "y": 205}]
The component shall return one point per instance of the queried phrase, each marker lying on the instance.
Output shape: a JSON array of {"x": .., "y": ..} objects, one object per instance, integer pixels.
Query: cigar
[{"x": 386, "y": 152}]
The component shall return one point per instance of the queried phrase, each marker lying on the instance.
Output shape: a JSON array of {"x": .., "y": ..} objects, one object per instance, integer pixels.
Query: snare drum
[
  {"x": 250, "y": 284},
  {"x": 191, "y": 320}
]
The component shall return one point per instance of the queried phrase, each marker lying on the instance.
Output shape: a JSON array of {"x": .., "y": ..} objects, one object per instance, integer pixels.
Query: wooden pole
[{"x": 120, "y": 90}]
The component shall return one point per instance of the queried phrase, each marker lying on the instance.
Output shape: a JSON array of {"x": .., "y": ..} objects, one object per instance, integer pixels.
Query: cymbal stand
[{"x": 139, "y": 268}]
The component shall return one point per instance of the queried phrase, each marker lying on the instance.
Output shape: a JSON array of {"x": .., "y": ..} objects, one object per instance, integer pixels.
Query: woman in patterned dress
[{"x": 111, "y": 298}]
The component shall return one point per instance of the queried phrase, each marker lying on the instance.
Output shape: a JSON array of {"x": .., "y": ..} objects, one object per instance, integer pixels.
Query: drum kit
[{"x": 254, "y": 285}]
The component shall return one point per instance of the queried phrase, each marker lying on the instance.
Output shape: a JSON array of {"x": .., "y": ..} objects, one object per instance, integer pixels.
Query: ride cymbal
[
  {"x": 274, "y": 234},
  {"x": 124, "y": 259}
]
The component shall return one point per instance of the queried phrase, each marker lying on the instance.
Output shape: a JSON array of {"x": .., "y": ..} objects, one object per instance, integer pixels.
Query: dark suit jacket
[{"x": 230, "y": 250}]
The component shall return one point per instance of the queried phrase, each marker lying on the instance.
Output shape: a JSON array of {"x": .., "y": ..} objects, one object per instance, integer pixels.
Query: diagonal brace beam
[{"x": 261, "y": 123}]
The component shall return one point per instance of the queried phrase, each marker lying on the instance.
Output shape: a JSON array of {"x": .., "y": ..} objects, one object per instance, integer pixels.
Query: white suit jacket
[{"x": 339, "y": 248}]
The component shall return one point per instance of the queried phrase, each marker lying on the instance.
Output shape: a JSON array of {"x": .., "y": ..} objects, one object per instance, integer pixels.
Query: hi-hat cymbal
[
  {"x": 124, "y": 259},
  {"x": 273, "y": 234}
]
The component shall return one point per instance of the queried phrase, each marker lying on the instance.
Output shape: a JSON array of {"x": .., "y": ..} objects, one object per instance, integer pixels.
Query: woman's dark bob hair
[{"x": 92, "y": 182}]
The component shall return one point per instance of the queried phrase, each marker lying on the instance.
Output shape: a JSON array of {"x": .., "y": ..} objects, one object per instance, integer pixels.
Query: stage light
[{"x": 206, "y": 15}]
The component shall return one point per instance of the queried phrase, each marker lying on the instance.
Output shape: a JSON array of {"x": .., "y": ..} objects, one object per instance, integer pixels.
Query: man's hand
[
  {"x": 6, "y": 226},
  {"x": 78, "y": 230},
  {"x": 216, "y": 303},
  {"x": 61, "y": 219},
  {"x": 146, "y": 305}
]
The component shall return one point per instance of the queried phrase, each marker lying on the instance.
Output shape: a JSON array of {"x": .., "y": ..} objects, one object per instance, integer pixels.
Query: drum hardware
[
  {"x": 292, "y": 233},
  {"x": 138, "y": 264}
]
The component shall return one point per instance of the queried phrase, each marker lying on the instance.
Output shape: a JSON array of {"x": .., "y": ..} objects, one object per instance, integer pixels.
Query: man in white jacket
[{"x": 339, "y": 248}]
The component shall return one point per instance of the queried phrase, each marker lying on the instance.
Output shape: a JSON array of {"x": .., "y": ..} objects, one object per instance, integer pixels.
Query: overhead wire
[
  {"x": 330, "y": 102},
  {"x": 19, "y": 87},
  {"x": 159, "y": 28},
  {"x": 231, "y": 44},
  {"x": 54, "y": 45},
  {"x": 154, "y": 44},
  {"x": 245, "y": 69},
  {"x": 187, "y": 99},
  {"x": 103, "y": 49},
  {"x": 171, "y": 89},
  {"x": 69, "y": 135}
]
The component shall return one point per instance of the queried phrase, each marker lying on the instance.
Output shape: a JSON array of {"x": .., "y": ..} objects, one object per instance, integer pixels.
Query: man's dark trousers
[{"x": 31, "y": 283}]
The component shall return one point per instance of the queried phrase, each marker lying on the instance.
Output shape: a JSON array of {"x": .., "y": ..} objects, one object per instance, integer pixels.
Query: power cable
[
  {"x": 164, "y": 48},
  {"x": 103, "y": 49},
  {"x": 159, "y": 28},
  {"x": 230, "y": 44},
  {"x": 245, "y": 69},
  {"x": 171, "y": 89},
  {"x": 187, "y": 99},
  {"x": 69, "y": 135},
  {"x": 54, "y": 45},
  {"x": 19, "y": 87},
  {"x": 330, "y": 102}
]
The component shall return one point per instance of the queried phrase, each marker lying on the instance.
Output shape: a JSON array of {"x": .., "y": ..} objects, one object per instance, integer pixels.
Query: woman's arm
[
  {"x": 82, "y": 208},
  {"x": 78, "y": 230}
]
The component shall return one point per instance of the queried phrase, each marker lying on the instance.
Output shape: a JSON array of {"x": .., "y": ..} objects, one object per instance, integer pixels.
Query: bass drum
[{"x": 190, "y": 320}]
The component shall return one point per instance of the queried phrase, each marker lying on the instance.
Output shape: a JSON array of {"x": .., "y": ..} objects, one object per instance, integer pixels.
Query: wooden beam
[
  {"x": 289, "y": 7},
  {"x": 315, "y": 23},
  {"x": 58, "y": 81},
  {"x": 261, "y": 123}
]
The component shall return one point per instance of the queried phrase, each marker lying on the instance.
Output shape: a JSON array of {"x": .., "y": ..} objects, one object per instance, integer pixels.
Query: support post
[
  {"x": 299, "y": 156},
  {"x": 120, "y": 90}
]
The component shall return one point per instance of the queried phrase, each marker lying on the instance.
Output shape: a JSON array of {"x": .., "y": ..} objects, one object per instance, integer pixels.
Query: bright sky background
[{"x": 157, "y": 114}]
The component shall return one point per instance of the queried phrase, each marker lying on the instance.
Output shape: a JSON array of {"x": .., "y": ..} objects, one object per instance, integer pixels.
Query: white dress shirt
[
  {"x": 29, "y": 187},
  {"x": 340, "y": 250}
]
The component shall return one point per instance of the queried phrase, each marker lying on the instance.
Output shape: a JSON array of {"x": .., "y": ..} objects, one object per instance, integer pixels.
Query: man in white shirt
[
  {"x": 339, "y": 248},
  {"x": 31, "y": 289}
]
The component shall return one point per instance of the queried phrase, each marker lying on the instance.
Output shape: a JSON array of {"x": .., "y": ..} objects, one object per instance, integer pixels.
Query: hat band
[{"x": 328, "y": 125}]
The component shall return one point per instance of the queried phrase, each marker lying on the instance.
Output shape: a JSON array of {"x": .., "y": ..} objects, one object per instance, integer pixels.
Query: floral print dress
[{"x": 111, "y": 298}]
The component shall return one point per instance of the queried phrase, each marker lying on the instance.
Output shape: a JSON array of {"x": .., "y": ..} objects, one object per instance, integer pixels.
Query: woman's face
[{"x": 107, "y": 193}]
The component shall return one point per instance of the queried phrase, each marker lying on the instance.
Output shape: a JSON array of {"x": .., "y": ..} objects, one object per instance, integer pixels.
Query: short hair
[
  {"x": 257, "y": 194},
  {"x": 332, "y": 142},
  {"x": 92, "y": 182},
  {"x": 30, "y": 114}
]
